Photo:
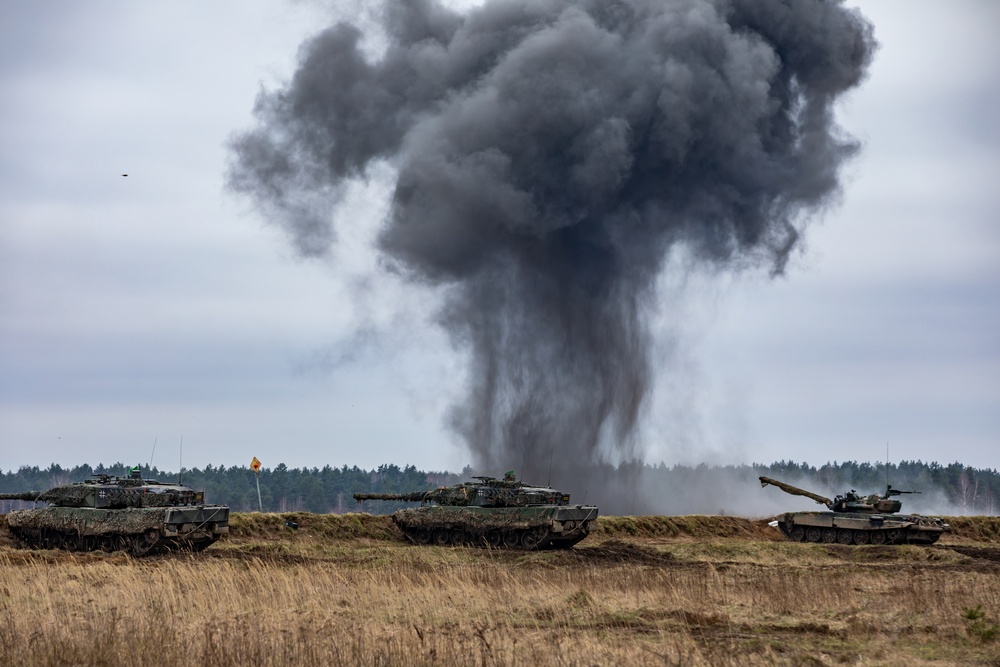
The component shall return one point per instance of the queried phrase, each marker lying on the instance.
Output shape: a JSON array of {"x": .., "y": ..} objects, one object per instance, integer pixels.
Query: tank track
[
  {"x": 856, "y": 537},
  {"x": 143, "y": 544},
  {"x": 524, "y": 539}
]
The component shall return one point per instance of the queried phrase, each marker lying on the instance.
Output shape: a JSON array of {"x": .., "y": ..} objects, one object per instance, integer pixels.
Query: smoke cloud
[{"x": 549, "y": 157}]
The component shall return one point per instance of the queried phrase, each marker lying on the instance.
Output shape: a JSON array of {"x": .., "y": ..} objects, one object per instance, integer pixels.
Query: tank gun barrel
[
  {"x": 415, "y": 497},
  {"x": 796, "y": 491},
  {"x": 890, "y": 492},
  {"x": 30, "y": 496}
]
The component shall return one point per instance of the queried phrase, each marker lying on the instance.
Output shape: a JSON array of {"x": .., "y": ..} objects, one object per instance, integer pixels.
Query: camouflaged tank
[
  {"x": 855, "y": 519},
  {"x": 108, "y": 513},
  {"x": 500, "y": 513}
]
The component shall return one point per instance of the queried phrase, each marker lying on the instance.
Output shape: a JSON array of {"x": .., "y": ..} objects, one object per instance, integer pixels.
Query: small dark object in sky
[{"x": 124, "y": 174}]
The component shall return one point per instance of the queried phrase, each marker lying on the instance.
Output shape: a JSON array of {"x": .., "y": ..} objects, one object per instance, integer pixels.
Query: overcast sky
[{"x": 158, "y": 307}]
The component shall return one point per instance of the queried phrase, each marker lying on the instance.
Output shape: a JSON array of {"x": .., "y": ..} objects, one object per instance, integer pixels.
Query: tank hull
[
  {"x": 861, "y": 528},
  {"x": 140, "y": 531},
  {"x": 529, "y": 528}
]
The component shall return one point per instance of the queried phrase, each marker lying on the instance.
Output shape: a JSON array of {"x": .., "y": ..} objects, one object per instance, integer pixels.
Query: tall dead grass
[{"x": 400, "y": 605}]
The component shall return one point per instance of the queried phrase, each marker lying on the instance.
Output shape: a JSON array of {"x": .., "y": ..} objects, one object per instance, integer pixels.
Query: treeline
[
  {"x": 282, "y": 489},
  {"x": 971, "y": 490},
  {"x": 959, "y": 488}
]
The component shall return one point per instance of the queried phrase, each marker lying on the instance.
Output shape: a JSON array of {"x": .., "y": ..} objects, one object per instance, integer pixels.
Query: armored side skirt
[
  {"x": 532, "y": 527},
  {"x": 857, "y": 528},
  {"x": 139, "y": 530}
]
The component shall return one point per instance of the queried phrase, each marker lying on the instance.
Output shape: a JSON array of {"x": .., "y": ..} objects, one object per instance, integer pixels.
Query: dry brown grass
[{"x": 271, "y": 596}]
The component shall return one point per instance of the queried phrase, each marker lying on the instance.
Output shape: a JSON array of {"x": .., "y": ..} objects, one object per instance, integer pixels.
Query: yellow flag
[{"x": 255, "y": 465}]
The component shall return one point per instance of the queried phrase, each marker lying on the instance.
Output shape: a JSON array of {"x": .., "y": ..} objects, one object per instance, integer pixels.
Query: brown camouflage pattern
[{"x": 858, "y": 520}]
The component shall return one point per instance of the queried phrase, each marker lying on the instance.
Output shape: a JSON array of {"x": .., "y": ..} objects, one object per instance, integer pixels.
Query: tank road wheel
[
  {"x": 511, "y": 539},
  {"x": 23, "y": 539},
  {"x": 422, "y": 536},
  {"x": 845, "y": 536},
  {"x": 145, "y": 543},
  {"x": 457, "y": 537},
  {"x": 878, "y": 537},
  {"x": 829, "y": 535},
  {"x": 494, "y": 539},
  {"x": 530, "y": 540},
  {"x": 861, "y": 537},
  {"x": 813, "y": 534},
  {"x": 115, "y": 543},
  {"x": 797, "y": 533},
  {"x": 442, "y": 536},
  {"x": 895, "y": 537}
]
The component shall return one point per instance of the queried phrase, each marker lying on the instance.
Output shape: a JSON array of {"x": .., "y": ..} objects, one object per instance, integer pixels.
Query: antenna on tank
[
  {"x": 548, "y": 482},
  {"x": 151, "y": 455},
  {"x": 887, "y": 467},
  {"x": 180, "y": 461}
]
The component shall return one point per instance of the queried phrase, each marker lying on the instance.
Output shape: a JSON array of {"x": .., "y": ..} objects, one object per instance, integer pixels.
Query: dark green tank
[
  {"x": 500, "y": 513},
  {"x": 109, "y": 513},
  {"x": 855, "y": 519}
]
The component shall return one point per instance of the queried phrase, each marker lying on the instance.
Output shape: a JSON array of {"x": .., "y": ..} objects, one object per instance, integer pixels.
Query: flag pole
[
  {"x": 255, "y": 466},
  {"x": 260, "y": 505}
]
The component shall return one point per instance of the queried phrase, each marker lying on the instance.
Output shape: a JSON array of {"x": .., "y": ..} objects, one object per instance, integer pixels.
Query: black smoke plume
[{"x": 549, "y": 156}]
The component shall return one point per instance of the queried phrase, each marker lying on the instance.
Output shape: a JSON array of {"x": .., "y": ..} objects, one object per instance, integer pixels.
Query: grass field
[{"x": 344, "y": 590}]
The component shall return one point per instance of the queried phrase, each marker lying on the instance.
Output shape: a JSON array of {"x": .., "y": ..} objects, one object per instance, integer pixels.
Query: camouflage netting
[
  {"x": 488, "y": 492},
  {"x": 470, "y": 522},
  {"x": 128, "y": 521}
]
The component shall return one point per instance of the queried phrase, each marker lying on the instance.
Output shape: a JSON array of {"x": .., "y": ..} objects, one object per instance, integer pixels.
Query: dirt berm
[
  {"x": 251, "y": 526},
  {"x": 255, "y": 526}
]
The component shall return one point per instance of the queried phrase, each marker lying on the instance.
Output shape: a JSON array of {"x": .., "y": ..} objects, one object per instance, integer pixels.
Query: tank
[
  {"x": 855, "y": 519},
  {"x": 141, "y": 516},
  {"x": 499, "y": 513}
]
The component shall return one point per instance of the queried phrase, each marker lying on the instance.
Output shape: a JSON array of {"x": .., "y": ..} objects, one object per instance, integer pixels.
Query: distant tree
[{"x": 329, "y": 489}]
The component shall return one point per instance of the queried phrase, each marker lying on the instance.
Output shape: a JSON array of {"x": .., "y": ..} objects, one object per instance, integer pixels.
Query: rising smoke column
[{"x": 549, "y": 156}]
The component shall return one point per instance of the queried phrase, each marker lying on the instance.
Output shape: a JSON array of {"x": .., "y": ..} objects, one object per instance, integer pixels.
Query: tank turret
[
  {"x": 108, "y": 512},
  {"x": 491, "y": 511},
  {"x": 857, "y": 519},
  {"x": 485, "y": 492},
  {"x": 107, "y": 491},
  {"x": 850, "y": 501}
]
